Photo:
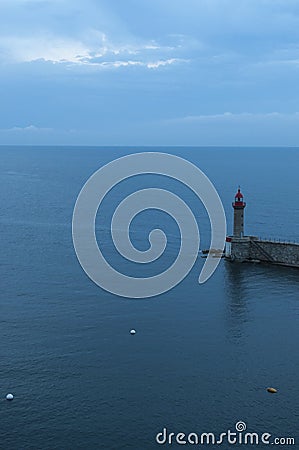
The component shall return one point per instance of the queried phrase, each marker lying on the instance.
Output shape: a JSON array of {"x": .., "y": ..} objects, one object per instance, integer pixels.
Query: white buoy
[
  {"x": 9, "y": 397},
  {"x": 133, "y": 331}
]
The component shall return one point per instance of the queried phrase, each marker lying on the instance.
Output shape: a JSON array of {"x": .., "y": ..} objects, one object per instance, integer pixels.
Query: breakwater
[
  {"x": 253, "y": 249},
  {"x": 240, "y": 247}
]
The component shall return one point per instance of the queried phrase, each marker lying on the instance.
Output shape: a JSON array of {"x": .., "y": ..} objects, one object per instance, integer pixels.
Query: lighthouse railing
[{"x": 278, "y": 240}]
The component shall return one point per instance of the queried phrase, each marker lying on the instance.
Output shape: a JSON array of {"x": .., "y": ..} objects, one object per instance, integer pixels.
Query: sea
[{"x": 203, "y": 355}]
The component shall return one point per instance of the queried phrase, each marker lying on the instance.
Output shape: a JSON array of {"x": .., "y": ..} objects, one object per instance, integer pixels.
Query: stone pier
[{"x": 252, "y": 249}]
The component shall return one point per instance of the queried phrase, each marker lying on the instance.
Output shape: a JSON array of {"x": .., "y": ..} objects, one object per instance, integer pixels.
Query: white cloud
[
  {"x": 28, "y": 128},
  {"x": 52, "y": 49},
  {"x": 132, "y": 63},
  {"x": 97, "y": 51},
  {"x": 228, "y": 116},
  {"x": 156, "y": 64}
]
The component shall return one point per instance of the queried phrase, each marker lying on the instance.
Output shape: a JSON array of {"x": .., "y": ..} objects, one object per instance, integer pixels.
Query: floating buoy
[
  {"x": 133, "y": 331},
  {"x": 272, "y": 390},
  {"x": 9, "y": 397}
]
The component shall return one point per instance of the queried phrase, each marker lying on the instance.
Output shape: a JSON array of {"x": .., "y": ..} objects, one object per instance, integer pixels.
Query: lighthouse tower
[{"x": 238, "y": 206}]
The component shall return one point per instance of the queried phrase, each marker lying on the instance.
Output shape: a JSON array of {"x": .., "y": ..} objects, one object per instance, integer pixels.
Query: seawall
[{"x": 253, "y": 249}]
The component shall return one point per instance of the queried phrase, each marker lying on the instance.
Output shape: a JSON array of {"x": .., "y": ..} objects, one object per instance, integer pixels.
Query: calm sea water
[{"x": 203, "y": 355}]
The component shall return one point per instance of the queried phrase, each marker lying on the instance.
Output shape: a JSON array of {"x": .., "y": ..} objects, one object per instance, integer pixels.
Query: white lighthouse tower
[
  {"x": 239, "y": 206},
  {"x": 238, "y": 230}
]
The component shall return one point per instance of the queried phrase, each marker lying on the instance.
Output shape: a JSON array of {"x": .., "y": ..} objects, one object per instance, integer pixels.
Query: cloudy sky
[{"x": 149, "y": 72}]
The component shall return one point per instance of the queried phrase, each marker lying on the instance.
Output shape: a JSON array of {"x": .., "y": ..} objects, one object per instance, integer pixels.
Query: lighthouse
[
  {"x": 253, "y": 249},
  {"x": 239, "y": 206}
]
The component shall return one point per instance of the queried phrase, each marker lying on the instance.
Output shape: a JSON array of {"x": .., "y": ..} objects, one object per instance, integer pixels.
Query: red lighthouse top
[{"x": 239, "y": 200}]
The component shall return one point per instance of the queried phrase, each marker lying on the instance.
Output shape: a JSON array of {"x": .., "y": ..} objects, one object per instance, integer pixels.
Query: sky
[{"x": 149, "y": 72}]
